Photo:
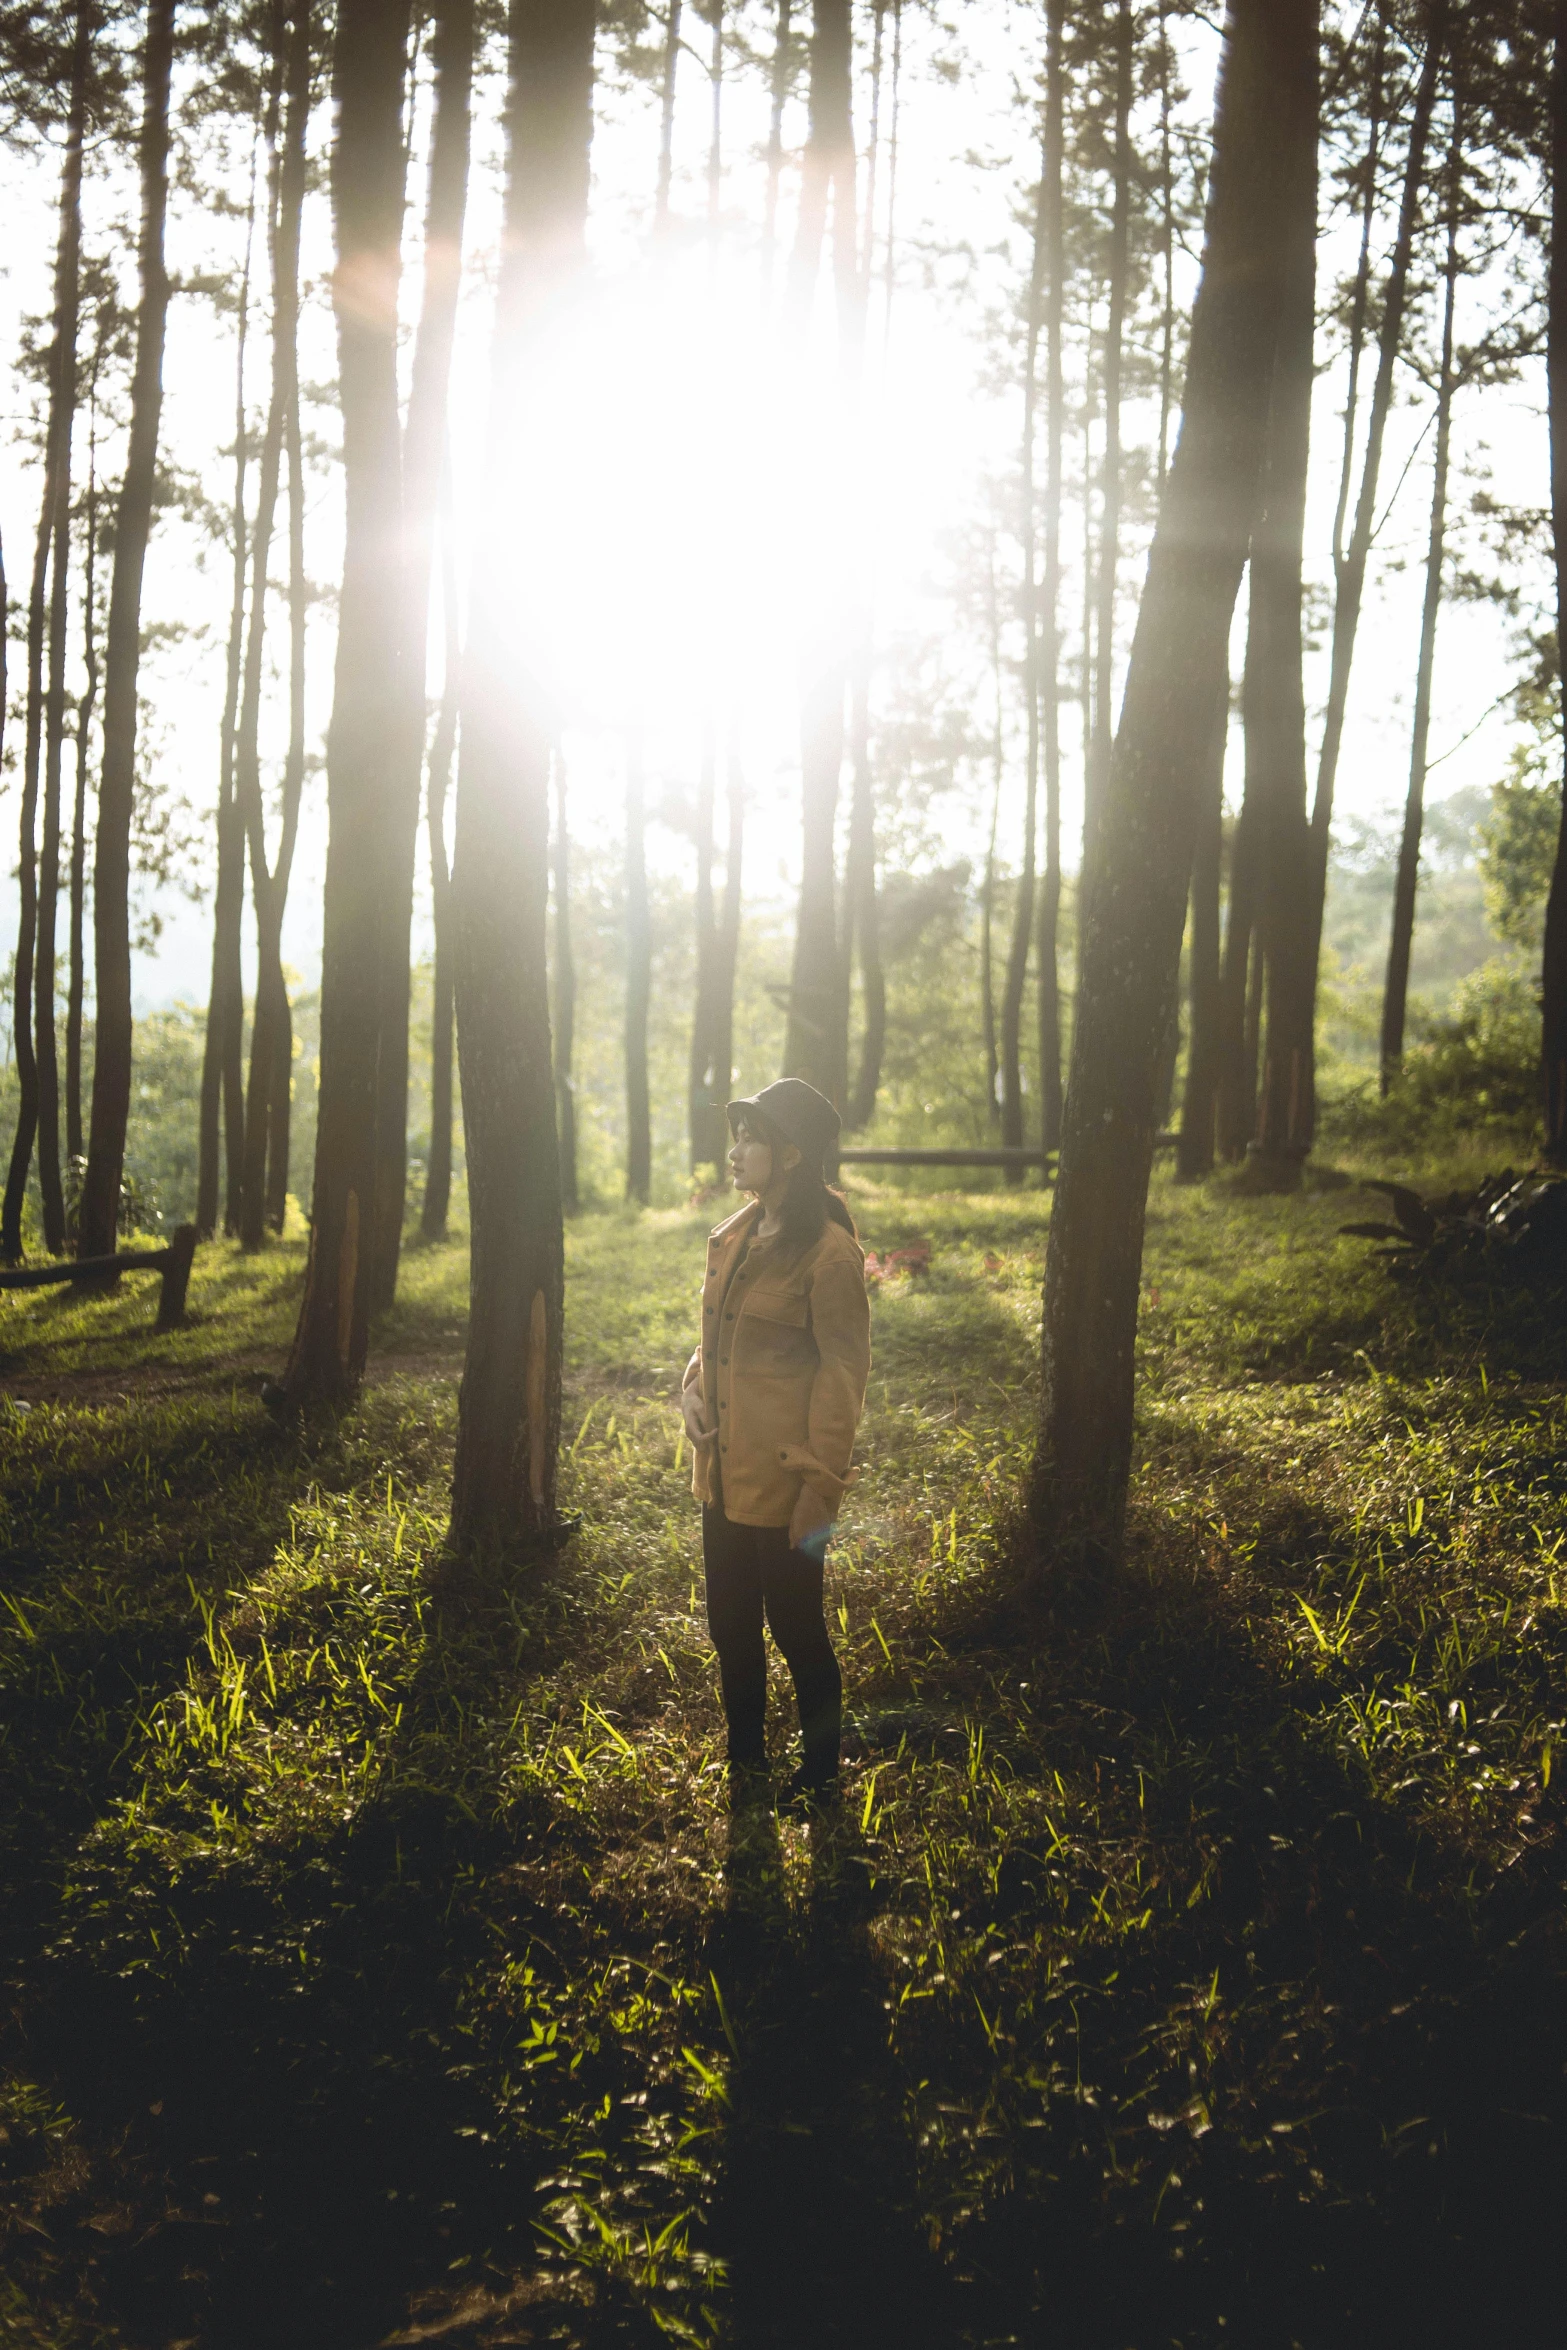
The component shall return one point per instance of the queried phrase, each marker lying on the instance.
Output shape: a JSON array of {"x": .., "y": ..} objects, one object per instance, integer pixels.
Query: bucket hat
[{"x": 796, "y": 1111}]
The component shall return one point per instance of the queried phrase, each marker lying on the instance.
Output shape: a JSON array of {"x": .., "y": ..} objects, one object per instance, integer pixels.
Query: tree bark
[
  {"x": 271, "y": 1014},
  {"x": 718, "y": 941},
  {"x": 862, "y": 909},
  {"x": 281, "y": 1095},
  {"x": 1195, "y": 1142},
  {"x": 1166, "y": 251},
  {"x": 1110, "y": 475},
  {"x": 987, "y": 893},
  {"x": 98, "y": 1221},
  {"x": 438, "y": 1171},
  {"x": 503, "y": 1486},
  {"x": 816, "y": 1042},
  {"x": 364, "y": 738},
  {"x": 220, "y": 1129},
  {"x": 862, "y": 904},
  {"x": 639, "y": 982},
  {"x": 706, "y": 1124},
  {"x": 666, "y": 129},
  {"x": 1553, "y": 968},
  {"x": 1274, "y": 689},
  {"x": 565, "y": 994},
  {"x": 1045, "y": 639},
  {"x": 76, "y": 984},
  {"x": 729, "y": 927},
  {"x": 1360, "y": 297},
  {"x": 1023, "y": 907},
  {"x": 1395, "y": 998},
  {"x": 423, "y": 448},
  {"x": 1235, "y": 1113},
  {"x": 778, "y": 93},
  {"x": 27, "y": 888},
  {"x": 1136, "y": 888},
  {"x": 62, "y": 420},
  {"x": 1350, "y": 573}
]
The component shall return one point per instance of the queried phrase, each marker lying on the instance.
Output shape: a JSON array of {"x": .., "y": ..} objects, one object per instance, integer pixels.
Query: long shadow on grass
[
  {"x": 815, "y": 2212},
  {"x": 118, "y": 1526},
  {"x": 1316, "y": 2100}
]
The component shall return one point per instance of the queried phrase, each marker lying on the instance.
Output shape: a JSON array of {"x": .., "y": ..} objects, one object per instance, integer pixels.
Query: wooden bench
[
  {"x": 1003, "y": 1155},
  {"x": 999, "y": 1155},
  {"x": 173, "y": 1263}
]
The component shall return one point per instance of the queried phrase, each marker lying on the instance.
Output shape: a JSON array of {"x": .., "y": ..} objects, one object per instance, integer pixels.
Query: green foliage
[
  {"x": 1474, "y": 1073},
  {"x": 1518, "y": 840}
]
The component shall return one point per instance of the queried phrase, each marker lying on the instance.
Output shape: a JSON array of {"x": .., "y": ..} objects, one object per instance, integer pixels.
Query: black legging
[{"x": 751, "y": 1569}]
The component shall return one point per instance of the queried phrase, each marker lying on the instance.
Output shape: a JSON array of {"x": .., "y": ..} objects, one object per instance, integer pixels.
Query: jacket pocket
[
  {"x": 778, "y": 1305},
  {"x": 774, "y": 1339}
]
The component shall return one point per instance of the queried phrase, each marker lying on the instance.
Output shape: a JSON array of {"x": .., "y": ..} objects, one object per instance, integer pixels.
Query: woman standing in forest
[{"x": 771, "y": 1399}]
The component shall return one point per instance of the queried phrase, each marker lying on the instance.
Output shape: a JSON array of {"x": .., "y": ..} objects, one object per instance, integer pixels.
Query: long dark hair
[{"x": 810, "y": 1201}]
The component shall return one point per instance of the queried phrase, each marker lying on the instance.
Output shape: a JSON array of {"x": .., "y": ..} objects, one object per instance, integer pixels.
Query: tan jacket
[{"x": 782, "y": 1364}]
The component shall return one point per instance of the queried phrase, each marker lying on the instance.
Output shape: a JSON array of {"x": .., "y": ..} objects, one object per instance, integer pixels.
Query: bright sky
[{"x": 676, "y": 444}]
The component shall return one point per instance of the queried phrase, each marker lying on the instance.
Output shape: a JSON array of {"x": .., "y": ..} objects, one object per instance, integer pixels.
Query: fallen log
[{"x": 173, "y": 1262}]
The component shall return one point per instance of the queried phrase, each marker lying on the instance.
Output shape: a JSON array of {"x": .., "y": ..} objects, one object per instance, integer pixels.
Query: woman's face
[{"x": 750, "y": 1161}]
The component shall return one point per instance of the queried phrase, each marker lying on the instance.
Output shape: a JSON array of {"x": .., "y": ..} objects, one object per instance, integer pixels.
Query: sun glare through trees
[{"x": 786, "y": 936}]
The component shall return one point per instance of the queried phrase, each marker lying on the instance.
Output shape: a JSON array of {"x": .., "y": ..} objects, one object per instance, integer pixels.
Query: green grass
[{"x": 375, "y": 1974}]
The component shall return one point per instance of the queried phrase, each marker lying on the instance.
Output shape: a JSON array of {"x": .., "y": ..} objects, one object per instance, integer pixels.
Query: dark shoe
[
  {"x": 749, "y": 1785},
  {"x": 809, "y": 1791}
]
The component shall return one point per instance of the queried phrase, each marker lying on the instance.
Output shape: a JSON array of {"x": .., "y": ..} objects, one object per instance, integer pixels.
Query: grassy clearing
[{"x": 380, "y": 1977}]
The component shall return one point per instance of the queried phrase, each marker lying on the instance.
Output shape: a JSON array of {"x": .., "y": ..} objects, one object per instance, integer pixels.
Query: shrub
[{"x": 1477, "y": 1070}]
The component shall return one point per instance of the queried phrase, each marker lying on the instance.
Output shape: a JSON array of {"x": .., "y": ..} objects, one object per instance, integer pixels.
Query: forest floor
[{"x": 379, "y": 1975}]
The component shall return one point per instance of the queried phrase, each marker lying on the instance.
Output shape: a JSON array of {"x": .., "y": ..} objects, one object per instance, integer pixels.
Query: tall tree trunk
[
  {"x": 1166, "y": 250},
  {"x": 423, "y": 448},
  {"x": 27, "y": 885},
  {"x": 98, "y": 1222},
  {"x": 565, "y": 993},
  {"x": 1395, "y": 999},
  {"x": 1235, "y": 1112},
  {"x": 779, "y": 79},
  {"x": 62, "y": 419},
  {"x": 285, "y": 201},
  {"x": 1023, "y": 908},
  {"x": 1553, "y": 968},
  {"x": 861, "y": 904},
  {"x": 503, "y": 1484},
  {"x": 707, "y": 1127},
  {"x": 816, "y": 1036},
  {"x": 1360, "y": 295},
  {"x": 1135, "y": 891},
  {"x": 666, "y": 132},
  {"x": 1275, "y": 699},
  {"x": 718, "y": 938},
  {"x": 364, "y": 739},
  {"x": 280, "y": 1100},
  {"x": 1090, "y": 574},
  {"x": 987, "y": 894},
  {"x": 1110, "y": 479},
  {"x": 1350, "y": 574},
  {"x": 862, "y": 911},
  {"x": 225, "y": 999},
  {"x": 1194, "y": 1143},
  {"x": 1045, "y": 639},
  {"x": 5, "y": 640},
  {"x": 76, "y": 984},
  {"x": 729, "y": 926},
  {"x": 438, "y": 1171},
  {"x": 639, "y": 981}
]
